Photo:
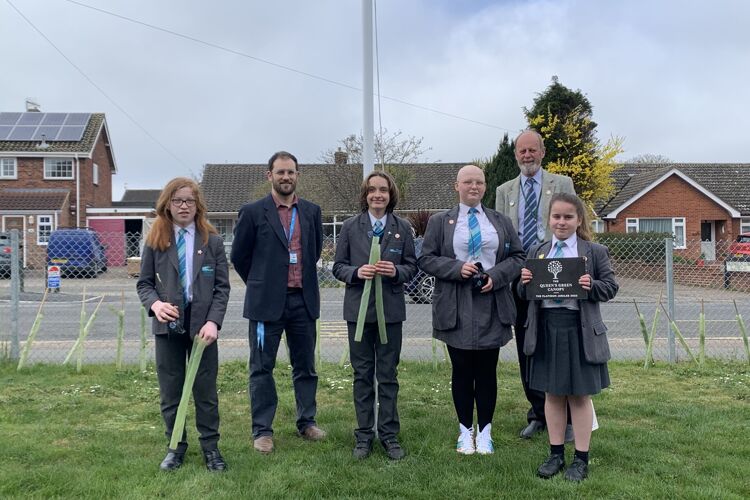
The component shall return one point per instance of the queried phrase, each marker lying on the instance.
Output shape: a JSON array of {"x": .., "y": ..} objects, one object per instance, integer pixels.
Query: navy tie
[
  {"x": 530, "y": 215},
  {"x": 377, "y": 229}
]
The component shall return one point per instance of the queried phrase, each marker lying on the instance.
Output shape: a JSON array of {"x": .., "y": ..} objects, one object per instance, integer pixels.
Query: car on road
[
  {"x": 78, "y": 252},
  {"x": 5, "y": 256},
  {"x": 421, "y": 287}
]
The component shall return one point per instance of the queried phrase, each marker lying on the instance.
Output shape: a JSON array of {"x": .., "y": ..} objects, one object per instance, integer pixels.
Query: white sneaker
[
  {"x": 465, "y": 444},
  {"x": 484, "y": 441}
]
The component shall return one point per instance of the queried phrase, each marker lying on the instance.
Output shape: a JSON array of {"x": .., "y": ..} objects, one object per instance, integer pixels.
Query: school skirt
[{"x": 558, "y": 365}]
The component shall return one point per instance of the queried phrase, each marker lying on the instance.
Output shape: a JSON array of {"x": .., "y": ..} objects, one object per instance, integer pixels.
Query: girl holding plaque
[
  {"x": 184, "y": 286},
  {"x": 372, "y": 355},
  {"x": 567, "y": 339}
]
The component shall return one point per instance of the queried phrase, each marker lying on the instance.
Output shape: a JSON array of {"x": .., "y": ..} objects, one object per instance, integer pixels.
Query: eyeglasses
[{"x": 177, "y": 202}]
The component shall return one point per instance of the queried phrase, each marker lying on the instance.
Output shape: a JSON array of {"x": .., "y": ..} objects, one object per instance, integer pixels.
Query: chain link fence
[{"x": 657, "y": 279}]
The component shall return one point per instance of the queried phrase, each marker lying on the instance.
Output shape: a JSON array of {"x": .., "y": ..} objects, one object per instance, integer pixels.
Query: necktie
[
  {"x": 377, "y": 229},
  {"x": 475, "y": 236},
  {"x": 558, "y": 253},
  {"x": 181, "y": 250},
  {"x": 530, "y": 215},
  {"x": 559, "y": 249}
]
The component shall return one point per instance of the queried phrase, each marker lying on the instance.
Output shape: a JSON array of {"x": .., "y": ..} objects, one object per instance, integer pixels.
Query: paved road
[{"x": 60, "y": 324}]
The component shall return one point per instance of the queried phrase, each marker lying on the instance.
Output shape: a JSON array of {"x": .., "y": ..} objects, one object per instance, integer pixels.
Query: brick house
[
  {"x": 704, "y": 205},
  {"x": 53, "y": 168}
]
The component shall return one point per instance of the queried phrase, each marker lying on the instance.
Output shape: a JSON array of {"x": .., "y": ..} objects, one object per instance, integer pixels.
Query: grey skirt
[{"x": 558, "y": 365}]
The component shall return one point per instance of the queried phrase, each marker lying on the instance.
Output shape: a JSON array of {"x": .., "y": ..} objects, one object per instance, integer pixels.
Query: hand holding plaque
[{"x": 556, "y": 279}]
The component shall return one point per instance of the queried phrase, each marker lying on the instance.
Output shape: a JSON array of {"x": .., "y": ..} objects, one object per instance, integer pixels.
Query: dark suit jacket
[
  {"x": 439, "y": 259},
  {"x": 353, "y": 251},
  {"x": 603, "y": 288},
  {"x": 260, "y": 256},
  {"x": 210, "y": 282}
]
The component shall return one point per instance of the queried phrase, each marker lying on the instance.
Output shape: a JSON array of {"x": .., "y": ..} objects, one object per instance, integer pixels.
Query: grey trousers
[
  {"x": 369, "y": 357},
  {"x": 172, "y": 352}
]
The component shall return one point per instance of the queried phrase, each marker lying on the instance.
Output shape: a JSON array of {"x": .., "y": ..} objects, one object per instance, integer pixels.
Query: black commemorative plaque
[{"x": 556, "y": 278}]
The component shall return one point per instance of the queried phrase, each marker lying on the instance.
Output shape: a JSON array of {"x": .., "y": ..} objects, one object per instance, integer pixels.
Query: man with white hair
[{"x": 525, "y": 200}]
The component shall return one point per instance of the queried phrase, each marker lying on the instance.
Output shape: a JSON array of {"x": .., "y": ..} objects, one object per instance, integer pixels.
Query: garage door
[{"x": 112, "y": 234}]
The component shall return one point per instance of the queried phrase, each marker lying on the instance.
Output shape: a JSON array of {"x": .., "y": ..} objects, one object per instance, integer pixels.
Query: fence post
[
  {"x": 15, "y": 294},
  {"x": 669, "y": 252}
]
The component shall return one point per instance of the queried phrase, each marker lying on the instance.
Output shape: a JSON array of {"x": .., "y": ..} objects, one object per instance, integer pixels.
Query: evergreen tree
[
  {"x": 558, "y": 100},
  {"x": 499, "y": 169},
  {"x": 563, "y": 117}
]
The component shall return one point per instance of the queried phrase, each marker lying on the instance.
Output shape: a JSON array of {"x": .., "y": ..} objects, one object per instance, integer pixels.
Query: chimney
[
  {"x": 32, "y": 106},
  {"x": 340, "y": 158}
]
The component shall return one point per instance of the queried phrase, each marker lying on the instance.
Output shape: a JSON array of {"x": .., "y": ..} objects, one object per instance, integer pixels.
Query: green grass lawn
[{"x": 671, "y": 431}]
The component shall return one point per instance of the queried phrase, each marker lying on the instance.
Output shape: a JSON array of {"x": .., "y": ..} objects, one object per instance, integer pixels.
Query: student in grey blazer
[
  {"x": 398, "y": 265},
  {"x": 184, "y": 286},
  {"x": 474, "y": 254},
  {"x": 532, "y": 229},
  {"x": 567, "y": 339}
]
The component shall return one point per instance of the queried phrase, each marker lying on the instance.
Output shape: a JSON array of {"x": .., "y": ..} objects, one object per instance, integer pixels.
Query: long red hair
[{"x": 160, "y": 235}]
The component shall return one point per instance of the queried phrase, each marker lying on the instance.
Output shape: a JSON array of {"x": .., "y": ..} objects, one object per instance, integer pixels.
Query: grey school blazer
[
  {"x": 603, "y": 288},
  {"x": 353, "y": 251},
  {"x": 210, "y": 282},
  {"x": 508, "y": 194},
  {"x": 439, "y": 259}
]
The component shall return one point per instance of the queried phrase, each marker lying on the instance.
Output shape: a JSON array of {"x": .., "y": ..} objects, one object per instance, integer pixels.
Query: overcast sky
[{"x": 670, "y": 77}]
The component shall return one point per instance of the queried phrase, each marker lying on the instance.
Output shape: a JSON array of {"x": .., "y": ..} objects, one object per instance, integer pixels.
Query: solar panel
[
  {"x": 54, "y": 118},
  {"x": 22, "y": 133},
  {"x": 50, "y": 133},
  {"x": 31, "y": 119},
  {"x": 9, "y": 118},
  {"x": 71, "y": 134},
  {"x": 54, "y": 126},
  {"x": 77, "y": 118}
]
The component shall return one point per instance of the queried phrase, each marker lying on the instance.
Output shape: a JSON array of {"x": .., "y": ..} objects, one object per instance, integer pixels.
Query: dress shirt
[
  {"x": 490, "y": 240},
  {"x": 294, "y": 276},
  {"x": 373, "y": 219}
]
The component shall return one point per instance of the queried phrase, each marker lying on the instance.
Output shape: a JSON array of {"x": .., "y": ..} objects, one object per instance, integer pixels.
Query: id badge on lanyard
[{"x": 292, "y": 255}]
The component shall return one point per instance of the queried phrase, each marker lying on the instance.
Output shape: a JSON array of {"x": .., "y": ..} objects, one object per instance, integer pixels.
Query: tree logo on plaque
[{"x": 554, "y": 267}]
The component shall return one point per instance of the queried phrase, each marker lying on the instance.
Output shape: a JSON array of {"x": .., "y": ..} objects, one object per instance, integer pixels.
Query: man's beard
[
  {"x": 529, "y": 170},
  {"x": 285, "y": 189}
]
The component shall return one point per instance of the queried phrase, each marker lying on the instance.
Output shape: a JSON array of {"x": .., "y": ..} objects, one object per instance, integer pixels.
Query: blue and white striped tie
[
  {"x": 475, "y": 236},
  {"x": 181, "y": 250},
  {"x": 530, "y": 215},
  {"x": 377, "y": 229},
  {"x": 558, "y": 255}
]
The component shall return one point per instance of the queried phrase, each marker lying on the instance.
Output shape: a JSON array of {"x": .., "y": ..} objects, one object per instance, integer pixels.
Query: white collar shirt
[{"x": 490, "y": 240}]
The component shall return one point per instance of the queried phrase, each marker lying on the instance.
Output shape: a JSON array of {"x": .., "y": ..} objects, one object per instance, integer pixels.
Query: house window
[
  {"x": 95, "y": 173},
  {"x": 8, "y": 168},
  {"x": 224, "y": 227},
  {"x": 58, "y": 168},
  {"x": 597, "y": 226},
  {"x": 674, "y": 225},
  {"x": 43, "y": 228},
  {"x": 745, "y": 225}
]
